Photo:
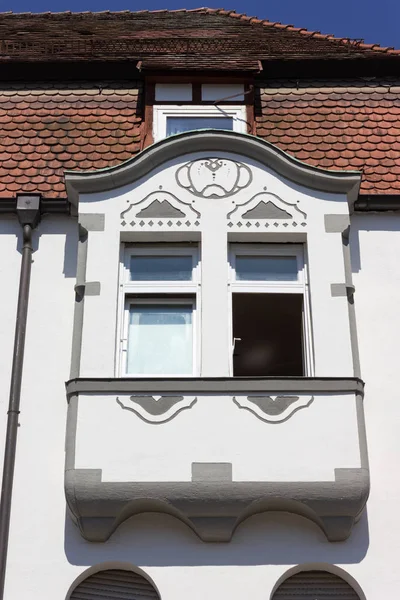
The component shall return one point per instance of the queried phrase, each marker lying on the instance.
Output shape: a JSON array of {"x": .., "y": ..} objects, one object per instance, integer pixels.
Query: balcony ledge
[
  {"x": 214, "y": 505},
  {"x": 219, "y": 385}
]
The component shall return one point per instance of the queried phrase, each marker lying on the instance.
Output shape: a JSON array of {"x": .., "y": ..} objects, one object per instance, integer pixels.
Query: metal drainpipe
[{"x": 28, "y": 214}]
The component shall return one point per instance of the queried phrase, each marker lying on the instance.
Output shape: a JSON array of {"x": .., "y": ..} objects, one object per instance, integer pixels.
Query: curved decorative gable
[{"x": 213, "y": 142}]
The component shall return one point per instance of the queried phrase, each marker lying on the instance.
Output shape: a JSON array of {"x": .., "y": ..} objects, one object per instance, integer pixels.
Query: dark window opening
[{"x": 270, "y": 328}]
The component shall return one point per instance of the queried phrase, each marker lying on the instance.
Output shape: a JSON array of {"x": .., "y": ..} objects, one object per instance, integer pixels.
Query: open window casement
[{"x": 270, "y": 311}]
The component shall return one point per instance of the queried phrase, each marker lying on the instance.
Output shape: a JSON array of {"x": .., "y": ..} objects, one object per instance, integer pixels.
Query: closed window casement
[
  {"x": 315, "y": 585},
  {"x": 114, "y": 584},
  {"x": 160, "y": 298},
  {"x": 171, "y": 120}
]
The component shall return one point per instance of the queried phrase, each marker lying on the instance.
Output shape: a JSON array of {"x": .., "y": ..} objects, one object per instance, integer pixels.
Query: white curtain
[
  {"x": 160, "y": 340},
  {"x": 180, "y": 124}
]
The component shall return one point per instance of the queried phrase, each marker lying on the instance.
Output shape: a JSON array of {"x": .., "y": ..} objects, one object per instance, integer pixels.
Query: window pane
[
  {"x": 160, "y": 340},
  {"x": 266, "y": 268},
  {"x": 269, "y": 335},
  {"x": 161, "y": 268},
  {"x": 180, "y": 124}
]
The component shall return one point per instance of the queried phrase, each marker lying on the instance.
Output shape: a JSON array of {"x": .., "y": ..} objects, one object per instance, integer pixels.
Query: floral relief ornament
[
  {"x": 214, "y": 177},
  {"x": 156, "y": 409},
  {"x": 273, "y": 409}
]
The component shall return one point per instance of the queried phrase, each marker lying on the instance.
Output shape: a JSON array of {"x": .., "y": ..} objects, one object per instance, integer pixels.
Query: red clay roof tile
[
  {"x": 315, "y": 122},
  {"x": 45, "y": 131}
]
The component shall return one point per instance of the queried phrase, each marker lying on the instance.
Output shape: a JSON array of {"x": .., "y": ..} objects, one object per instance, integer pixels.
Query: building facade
[{"x": 199, "y": 228}]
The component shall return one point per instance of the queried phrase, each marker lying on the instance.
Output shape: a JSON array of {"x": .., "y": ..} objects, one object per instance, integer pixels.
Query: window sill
[{"x": 220, "y": 385}]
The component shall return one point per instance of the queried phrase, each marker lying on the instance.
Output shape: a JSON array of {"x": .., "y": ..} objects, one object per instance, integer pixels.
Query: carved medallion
[{"x": 214, "y": 177}]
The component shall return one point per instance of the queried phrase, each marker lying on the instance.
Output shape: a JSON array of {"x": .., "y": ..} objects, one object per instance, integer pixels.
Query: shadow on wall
[
  {"x": 49, "y": 225},
  {"x": 266, "y": 539},
  {"x": 53, "y": 225},
  {"x": 389, "y": 222}
]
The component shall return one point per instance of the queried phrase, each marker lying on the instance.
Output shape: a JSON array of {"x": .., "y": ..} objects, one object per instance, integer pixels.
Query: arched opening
[
  {"x": 115, "y": 584},
  {"x": 315, "y": 585}
]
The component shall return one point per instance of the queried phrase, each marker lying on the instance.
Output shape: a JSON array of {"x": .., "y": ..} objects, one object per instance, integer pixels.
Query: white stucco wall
[
  {"x": 38, "y": 510},
  {"x": 215, "y": 430},
  {"x": 46, "y": 551}
]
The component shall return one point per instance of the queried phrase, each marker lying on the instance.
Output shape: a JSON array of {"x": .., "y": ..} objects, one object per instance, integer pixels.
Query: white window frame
[
  {"x": 165, "y": 301},
  {"x": 170, "y": 292},
  {"x": 162, "y": 112},
  {"x": 300, "y": 286}
]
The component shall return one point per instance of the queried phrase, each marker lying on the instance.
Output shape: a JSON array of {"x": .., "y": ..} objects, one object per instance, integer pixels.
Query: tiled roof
[
  {"x": 202, "y": 31},
  {"x": 44, "y": 131},
  {"x": 341, "y": 125},
  {"x": 346, "y": 125},
  {"x": 207, "y": 62}
]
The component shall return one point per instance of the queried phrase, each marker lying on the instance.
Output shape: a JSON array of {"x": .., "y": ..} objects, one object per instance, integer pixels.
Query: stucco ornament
[
  {"x": 214, "y": 177},
  {"x": 266, "y": 205},
  {"x": 156, "y": 409},
  {"x": 273, "y": 409}
]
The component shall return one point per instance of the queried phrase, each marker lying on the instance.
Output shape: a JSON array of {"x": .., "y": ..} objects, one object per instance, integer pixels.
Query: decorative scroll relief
[
  {"x": 273, "y": 409},
  {"x": 214, "y": 177},
  {"x": 267, "y": 211},
  {"x": 160, "y": 210},
  {"x": 156, "y": 409}
]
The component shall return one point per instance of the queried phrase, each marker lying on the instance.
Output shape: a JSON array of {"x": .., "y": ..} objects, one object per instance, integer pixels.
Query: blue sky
[{"x": 376, "y": 21}]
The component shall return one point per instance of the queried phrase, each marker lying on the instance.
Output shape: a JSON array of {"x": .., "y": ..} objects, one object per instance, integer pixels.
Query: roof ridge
[
  {"x": 354, "y": 42},
  {"x": 359, "y": 43}
]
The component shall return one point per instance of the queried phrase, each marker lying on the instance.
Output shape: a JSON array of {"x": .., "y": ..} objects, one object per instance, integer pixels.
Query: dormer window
[
  {"x": 171, "y": 120},
  {"x": 181, "y": 107}
]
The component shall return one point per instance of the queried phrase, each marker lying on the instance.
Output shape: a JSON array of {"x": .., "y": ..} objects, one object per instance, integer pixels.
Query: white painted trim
[
  {"x": 161, "y": 112},
  {"x": 308, "y": 341},
  {"x": 118, "y": 368}
]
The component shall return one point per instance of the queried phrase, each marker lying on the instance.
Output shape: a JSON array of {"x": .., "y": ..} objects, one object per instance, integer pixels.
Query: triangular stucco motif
[{"x": 266, "y": 210}]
